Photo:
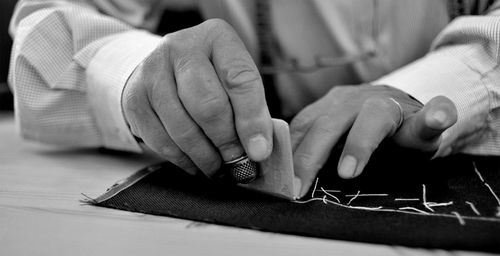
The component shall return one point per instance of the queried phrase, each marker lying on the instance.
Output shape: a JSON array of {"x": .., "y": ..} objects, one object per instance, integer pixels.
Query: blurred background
[{"x": 6, "y": 8}]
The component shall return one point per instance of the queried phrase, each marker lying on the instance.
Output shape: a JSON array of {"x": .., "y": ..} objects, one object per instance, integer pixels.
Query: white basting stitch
[
  {"x": 315, "y": 185},
  {"x": 434, "y": 204},
  {"x": 380, "y": 209},
  {"x": 361, "y": 195},
  {"x": 307, "y": 201},
  {"x": 486, "y": 184},
  {"x": 407, "y": 199},
  {"x": 366, "y": 208},
  {"x": 474, "y": 209},
  {"x": 352, "y": 199},
  {"x": 424, "y": 199},
  {"x": 459, "y": 217},
  {"x": 414, "y": 209},
  {"x": 334, "y": 197}
]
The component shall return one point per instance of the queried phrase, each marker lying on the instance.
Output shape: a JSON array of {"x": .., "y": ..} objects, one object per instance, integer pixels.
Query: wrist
[{"x": 107, "y": 75}]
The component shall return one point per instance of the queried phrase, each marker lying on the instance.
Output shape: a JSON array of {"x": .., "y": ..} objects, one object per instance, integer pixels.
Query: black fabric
[
  {"x": 183, "y": 19},
  {"x": 170, "y": 192}
]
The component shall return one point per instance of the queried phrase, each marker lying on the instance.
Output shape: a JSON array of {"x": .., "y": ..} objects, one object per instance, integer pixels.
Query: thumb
[{"x": 422, "y": 130}]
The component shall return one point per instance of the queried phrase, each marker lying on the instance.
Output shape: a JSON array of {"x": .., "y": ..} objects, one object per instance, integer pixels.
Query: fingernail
[
  {"x": 297, "y": 187},
  {"x": 258, "y": 148},
  {"x": 347, "y": 167},
  {"x": 439, "y": 116}
]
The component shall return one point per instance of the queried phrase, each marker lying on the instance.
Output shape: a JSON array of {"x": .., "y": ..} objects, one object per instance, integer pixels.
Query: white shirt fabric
[{"x": 71, "y": 60}]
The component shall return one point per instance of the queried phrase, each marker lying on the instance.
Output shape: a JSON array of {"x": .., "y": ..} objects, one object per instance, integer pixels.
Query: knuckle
[
  {"x": 299, "y": 123},
  {"x": 171, "y": 152},
  {"x": 227, "y": 144},
  {"x": 179, "y": 39},
  {"x": 159, "y": 142},
  {"x": 132, "y": 104},
  {"x": 362, "y": 147},
  {"x": 188, "y": 137},
  {"x": 157, "y": 97},
  {"x": 181, "y": 44},
  {"x": 302, "y": 123},
  {"x": 183, "y": 63},
  {"x": 336, "y": 90},
  {"x": 213, "y": 29},
  {"x": 384, "y": 109},
  {"x": 241, "y": 76},
  {"x": 174, "y": 43},
  {"x": 327, "y": 129},
  {"x": 377, "y": 103},
  {"x": 340, "y": 91},
  {"x": 324, "y": 125},
  {"x": 212, "y": 108},
  {"x": 215, "y": 25},
  {"x": 307, "y": 161},
  {"x": 212, "y": 165}
]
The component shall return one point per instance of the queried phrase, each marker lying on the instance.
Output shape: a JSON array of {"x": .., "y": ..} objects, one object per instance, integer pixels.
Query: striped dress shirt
[{"x": 71, "y": 59}]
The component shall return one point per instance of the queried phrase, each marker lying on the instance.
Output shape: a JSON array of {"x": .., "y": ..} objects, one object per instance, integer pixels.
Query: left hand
[{"x": 369, "y": 114}]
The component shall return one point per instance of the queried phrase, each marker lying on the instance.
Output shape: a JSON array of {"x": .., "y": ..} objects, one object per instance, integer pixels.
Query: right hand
[{"x": 198, "y": 100}]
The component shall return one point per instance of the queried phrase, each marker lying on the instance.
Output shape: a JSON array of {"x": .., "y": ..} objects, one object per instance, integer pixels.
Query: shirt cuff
[
  {"x": 107, "y": 75},
  {"x": 445, "y": 72}
]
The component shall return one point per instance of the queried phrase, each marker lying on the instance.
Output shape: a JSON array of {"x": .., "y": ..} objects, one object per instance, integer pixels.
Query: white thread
[
  {"x": 474, "y": 209},
  {"x": 379, "y": 209},
  {"x": 366, "y": 208},
  {"x": 306, "y": 201},
  {"x": 334, "y": 197},
  {"x": 353, "y": 207},
  {"x": 434, "y": 204},
  {"x": 414, "y": 209},
  {"x": 329, "y": 190},
  {"x": 315, "y": 185},
  {"x": 486, "y": 184},
  {"x": 493, "y": 193},
  {"x": 352, "y": 199},
  {"x": 459, "y": 217},
  {"x": 424, "y": 199},
  {"x": 477, "y": 171},
  {"x": 361, "y": 195}
]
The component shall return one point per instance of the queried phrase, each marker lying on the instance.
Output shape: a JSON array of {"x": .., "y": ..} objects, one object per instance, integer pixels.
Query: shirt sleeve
[
  {"x": 69, "y": 65},
  {"x": 463, "y": 65}
]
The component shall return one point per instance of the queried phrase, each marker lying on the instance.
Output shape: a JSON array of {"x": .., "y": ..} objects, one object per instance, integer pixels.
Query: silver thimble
[{"x": 241, "y": 170}]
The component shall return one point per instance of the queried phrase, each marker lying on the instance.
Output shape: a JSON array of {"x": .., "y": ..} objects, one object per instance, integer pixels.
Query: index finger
[{"x": 243, "y": 84}]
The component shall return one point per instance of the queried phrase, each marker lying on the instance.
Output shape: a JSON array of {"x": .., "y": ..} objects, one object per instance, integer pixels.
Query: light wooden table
[{"x": 40, "y": 212}]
